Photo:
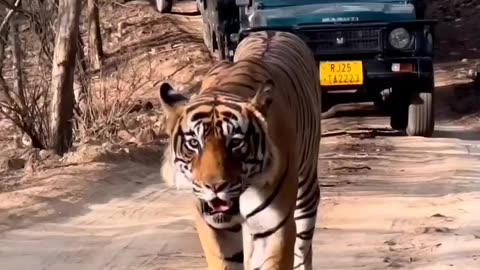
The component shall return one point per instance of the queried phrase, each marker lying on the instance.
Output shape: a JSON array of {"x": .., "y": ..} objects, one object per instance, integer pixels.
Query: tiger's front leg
[
  {"x": 272, "y": 249},
  {"x": 222, "y": 247}
]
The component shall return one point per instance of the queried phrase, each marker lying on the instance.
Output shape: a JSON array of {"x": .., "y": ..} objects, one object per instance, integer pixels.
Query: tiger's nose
[{"x": 217, "y": 187}]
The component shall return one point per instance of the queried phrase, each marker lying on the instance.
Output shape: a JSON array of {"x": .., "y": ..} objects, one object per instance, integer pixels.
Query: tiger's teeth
[{"x": 210, "y": 204}]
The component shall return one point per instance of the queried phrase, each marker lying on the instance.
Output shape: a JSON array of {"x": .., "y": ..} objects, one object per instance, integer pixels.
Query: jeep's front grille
[{"x": 324, "y": 41}]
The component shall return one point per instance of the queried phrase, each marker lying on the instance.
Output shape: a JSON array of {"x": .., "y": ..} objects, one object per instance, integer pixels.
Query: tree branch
[{"x": 3, "y": 26}]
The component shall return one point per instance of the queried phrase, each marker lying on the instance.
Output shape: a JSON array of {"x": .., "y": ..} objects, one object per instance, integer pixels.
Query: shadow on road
[
  {"x": 457, "y": 114},
  {"x": 469, "y": 135},
  {"x": 97, "y": 180}
]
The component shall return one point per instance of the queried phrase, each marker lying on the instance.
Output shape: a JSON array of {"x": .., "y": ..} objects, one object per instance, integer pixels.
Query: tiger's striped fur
[{"x": 248, "y": 144}]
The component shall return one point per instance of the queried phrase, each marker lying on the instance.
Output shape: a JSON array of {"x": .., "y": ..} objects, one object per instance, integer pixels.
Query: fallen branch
[
  {"x": 352, "y": 168},
  {"x": 178, "y": 70},
  {"x": 362, "y": 132}
]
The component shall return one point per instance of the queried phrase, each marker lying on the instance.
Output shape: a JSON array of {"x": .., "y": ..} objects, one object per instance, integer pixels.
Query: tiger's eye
[
  {"x": 235, "y": 142},
  {"x": 193, "y": 143}
]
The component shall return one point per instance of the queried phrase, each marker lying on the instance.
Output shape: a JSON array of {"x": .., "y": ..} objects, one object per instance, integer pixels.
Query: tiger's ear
[
  {"x": 263, "y": 98},
  {"x": 172, "y": 102}
]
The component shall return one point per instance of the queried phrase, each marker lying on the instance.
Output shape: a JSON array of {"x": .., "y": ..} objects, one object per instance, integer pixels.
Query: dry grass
[
  {"x": 109, "y": 99},
  {"x": 104, "y": 97},
  {"x": 26, "y": 104}
]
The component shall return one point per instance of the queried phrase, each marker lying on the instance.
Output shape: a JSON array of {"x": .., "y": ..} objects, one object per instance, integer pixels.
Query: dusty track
[
  {"x": 388, "y": 201},
  {"x": 408, "y": 203}
]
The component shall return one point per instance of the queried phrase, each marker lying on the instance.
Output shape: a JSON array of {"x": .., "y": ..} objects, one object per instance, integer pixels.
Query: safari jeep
[{"x": 367, "y": 50}]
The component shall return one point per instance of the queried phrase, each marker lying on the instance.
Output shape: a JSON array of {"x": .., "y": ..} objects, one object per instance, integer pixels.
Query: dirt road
[{"x": 388, "y": 201}]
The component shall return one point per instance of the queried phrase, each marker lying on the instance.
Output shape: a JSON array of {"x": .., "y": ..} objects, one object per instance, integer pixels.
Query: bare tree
[
  {"x": 81, "y": 71},
  {"x": 95, "y": 49},
  {"x": 22, "y": 103},
  {"x": 64, "y": 57},
  {"x": 5, "y": 93},
  {"x": 17, "y": 60}
]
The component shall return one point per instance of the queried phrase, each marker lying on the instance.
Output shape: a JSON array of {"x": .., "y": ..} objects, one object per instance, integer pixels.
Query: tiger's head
[{"x": 219, "y": 144}]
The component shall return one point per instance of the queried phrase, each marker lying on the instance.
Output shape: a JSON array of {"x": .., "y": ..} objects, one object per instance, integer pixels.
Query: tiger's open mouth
[{"x": 219, "y": 206}]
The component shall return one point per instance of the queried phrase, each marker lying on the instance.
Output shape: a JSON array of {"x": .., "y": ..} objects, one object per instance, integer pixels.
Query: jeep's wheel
[
  {"x": 383, "y": 101},
  {"x": 421, "y": 118},
  {"x": 164, "y": 6},
  {"x": 382, "y": 106},
  {"x": 399, "y": 109},
  {"x": 398, "y": 120}
]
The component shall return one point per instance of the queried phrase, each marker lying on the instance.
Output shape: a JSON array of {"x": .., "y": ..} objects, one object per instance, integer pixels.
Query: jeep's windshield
[{"x": 280, "y": 3}]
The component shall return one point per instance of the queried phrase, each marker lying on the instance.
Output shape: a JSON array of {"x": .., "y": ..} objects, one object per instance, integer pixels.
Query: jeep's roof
[{"x": 280, "y": 3}]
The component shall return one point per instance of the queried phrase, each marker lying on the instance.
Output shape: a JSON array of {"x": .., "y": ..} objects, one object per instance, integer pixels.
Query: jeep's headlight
[{"x": 399, "y": 38}]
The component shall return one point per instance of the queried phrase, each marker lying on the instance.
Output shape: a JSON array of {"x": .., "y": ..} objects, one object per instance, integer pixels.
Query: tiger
[{"x": 247, "y": 144}]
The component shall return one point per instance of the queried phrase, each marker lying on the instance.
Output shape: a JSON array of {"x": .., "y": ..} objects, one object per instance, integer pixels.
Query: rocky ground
[{"x": 389, "y": 201}]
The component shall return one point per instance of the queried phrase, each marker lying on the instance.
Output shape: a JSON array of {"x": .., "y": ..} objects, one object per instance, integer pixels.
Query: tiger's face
[{"x": 220, "y": 147}]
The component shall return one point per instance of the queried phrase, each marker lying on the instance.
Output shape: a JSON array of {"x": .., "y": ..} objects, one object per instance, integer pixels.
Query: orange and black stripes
[{"x": 234, "y": 125}]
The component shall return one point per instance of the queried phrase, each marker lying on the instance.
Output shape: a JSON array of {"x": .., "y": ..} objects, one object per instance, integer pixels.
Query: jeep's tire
[
  {"x": 421, "y": 117},
  {"x": 164, "y": 6},
  {"x": 383, "y": 106},
  {"x": 383, "y": 101},
  {"x": 398, "y": 120},
  {"x": 399, "y": 102}
]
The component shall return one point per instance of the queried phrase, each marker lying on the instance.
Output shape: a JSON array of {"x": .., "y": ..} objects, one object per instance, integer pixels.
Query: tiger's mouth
[{"x": 218, "y": 206}]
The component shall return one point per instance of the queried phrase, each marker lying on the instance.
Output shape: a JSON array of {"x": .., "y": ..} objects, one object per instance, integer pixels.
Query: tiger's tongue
[{"x": 219, "y": 205}]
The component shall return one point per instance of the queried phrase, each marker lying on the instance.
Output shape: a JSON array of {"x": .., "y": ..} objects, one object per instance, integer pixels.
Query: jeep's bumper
[{"x": 381, "y": 73}]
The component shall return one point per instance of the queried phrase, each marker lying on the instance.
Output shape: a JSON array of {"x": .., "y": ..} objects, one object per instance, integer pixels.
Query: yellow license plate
[{"x": 341, "y": 73}]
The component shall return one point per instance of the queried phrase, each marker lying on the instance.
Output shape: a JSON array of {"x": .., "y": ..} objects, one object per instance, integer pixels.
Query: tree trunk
[
  {"x": 5, "y": 96},
  {"x": 95, "y": 49},
  {"x": 61, "y": 108},
  {"x": 81, "y": 72},
  {"x": 17, "y": 63}
]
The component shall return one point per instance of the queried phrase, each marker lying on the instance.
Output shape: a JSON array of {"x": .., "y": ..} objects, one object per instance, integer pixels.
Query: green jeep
[{"x": 367, "y": 50}]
